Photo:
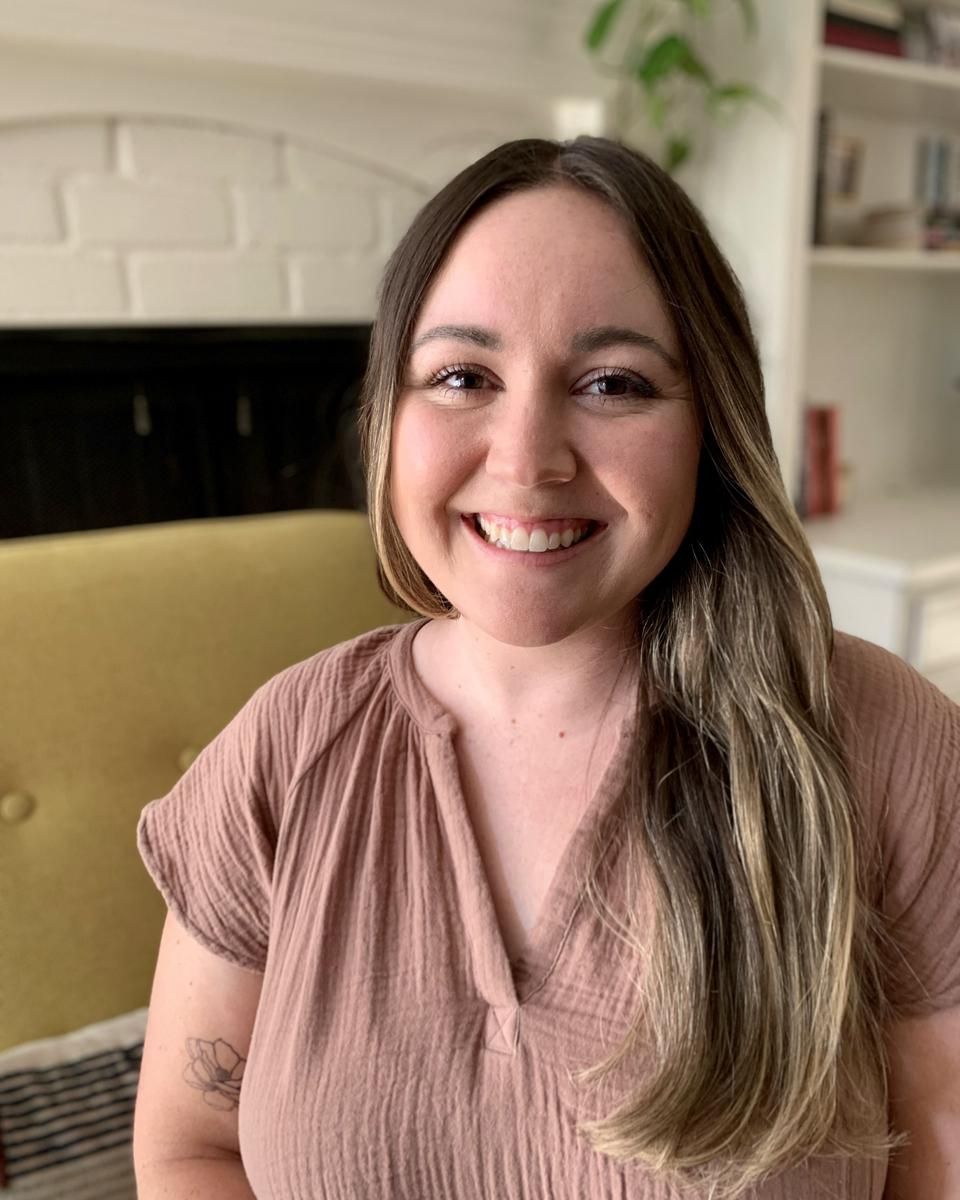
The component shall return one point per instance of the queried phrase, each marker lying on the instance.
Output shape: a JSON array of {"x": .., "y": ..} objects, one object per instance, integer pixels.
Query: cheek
[
  {"x": 676, "y": 456},
  {"x": 657, "y": 472},
  {"x": 427, "y": 459}
]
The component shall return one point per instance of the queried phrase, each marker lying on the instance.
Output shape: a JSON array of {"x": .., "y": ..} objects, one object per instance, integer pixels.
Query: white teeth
[{"x": 537, "y": 542}]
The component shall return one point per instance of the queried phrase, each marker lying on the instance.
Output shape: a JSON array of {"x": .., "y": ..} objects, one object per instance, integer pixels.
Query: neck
[{"x": 573, "y": 681}]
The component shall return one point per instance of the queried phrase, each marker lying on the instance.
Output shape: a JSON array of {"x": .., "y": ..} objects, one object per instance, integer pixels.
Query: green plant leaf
[
  {"x": 748, "y": 10},
  {"x": 657, "y": 108},
  {"x": 739, "y": 93},
  {"x": 678, "y": 151},
  {"x": 695, "y": 67},
  {"x": 735, "y": 92},
  {"x": 602, "y": 23},
  {"x": 699, "y": 8},
  {"x": 670, "y": 54}
]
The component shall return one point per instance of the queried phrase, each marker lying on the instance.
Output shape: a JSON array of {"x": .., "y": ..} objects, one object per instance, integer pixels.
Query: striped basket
[{"x": 66, "y": 1113}]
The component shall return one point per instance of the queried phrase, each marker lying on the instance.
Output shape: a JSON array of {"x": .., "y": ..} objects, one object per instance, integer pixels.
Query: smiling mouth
[{"x": 555, "y": 535}]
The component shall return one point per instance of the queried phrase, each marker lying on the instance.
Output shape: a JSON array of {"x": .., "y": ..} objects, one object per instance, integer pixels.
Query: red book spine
[
  {"x": 861, "y": 39},
  {"x": 812, "y": 464},
  {"x": 830, "y": 420},
  {"x": 821, "y": 460}
]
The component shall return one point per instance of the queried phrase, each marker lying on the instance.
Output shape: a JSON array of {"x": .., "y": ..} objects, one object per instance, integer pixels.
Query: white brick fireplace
[{"x": 164, "y": 162}]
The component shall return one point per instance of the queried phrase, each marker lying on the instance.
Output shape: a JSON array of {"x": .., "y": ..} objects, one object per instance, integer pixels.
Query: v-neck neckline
[{"x": 494, "y": 970}]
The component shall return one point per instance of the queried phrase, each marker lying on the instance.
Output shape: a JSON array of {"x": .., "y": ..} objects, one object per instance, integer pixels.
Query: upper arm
[
  {"x": 199, "y": 1026},
  {"x": 924, "y": 1055}
]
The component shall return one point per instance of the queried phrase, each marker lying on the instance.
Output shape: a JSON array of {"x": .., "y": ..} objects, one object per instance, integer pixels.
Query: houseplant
[{"x": 660, "y": 74}]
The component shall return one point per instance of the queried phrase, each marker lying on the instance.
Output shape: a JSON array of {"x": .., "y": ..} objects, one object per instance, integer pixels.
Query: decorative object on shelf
[
  {"x": 894, "y": 226},
  {"x": 844, "y": 167},
  {"x": 820, "y": 479},
  {"x": 839, "y": 174},
  {"x": 943, "y": 232},
  {"x": 944, "y": 25},
  {"x": 874, "y": 26},
  {"x": 932, "y": 35},
  {"x": 660, "y": 71}
]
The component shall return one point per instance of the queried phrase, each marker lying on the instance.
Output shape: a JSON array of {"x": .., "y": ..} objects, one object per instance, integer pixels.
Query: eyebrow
[{"x": 583, "y": 342}]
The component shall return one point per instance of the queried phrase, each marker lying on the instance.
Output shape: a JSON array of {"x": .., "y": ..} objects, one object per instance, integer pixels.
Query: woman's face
[{"x": 543, "y": 395}]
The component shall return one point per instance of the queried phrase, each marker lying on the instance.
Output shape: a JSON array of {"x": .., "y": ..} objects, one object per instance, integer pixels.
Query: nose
[{"x": 529, "y": 443}]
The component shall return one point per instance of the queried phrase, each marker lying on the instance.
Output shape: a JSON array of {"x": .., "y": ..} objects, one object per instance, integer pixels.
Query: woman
[{"x": 619, "y": 799}]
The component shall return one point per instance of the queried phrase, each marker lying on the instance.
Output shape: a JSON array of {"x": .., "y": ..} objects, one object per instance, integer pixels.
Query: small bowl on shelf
[{"x": 899, "y": 227}]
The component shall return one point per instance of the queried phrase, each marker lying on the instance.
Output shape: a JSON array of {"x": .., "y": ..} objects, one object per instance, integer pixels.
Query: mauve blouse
[{"x": 322, "y": 840}]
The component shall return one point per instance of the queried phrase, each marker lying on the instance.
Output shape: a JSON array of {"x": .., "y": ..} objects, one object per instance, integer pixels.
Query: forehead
[{"x": 542, "y": 263}]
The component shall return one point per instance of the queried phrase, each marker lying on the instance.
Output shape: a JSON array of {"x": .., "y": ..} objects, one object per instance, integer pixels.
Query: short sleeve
[
  {"x": 209, "y": 843},
  {"x": 921, "y": 845}
]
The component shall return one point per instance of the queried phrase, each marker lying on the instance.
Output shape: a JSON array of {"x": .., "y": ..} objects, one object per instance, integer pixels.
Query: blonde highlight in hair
[{"x": 761, "y": 999}]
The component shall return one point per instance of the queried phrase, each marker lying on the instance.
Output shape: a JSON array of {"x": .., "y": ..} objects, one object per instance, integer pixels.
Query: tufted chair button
[
  {"x": 16, "y": 807},
  {"x": 186, "y": 757}
]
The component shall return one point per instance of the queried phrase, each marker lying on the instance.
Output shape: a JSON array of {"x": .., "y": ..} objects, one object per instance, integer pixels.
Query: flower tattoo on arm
[{"x": 216, "y": 1070}]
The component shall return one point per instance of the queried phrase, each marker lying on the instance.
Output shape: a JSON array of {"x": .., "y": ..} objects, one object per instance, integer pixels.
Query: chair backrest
[{"x": 124, "y": 652}]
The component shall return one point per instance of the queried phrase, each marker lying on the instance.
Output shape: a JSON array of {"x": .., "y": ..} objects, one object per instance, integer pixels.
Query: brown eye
[
  {"x": 621, "y": 385},
  {"x": 440, "y": 379}
]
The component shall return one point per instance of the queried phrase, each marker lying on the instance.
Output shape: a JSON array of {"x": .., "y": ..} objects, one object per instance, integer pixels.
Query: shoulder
[
  {"x": 305, "y": 706},
  {"x": 332, "y": 681},
  {"x": 886, "y": 704},
  {"x": 902, "y": 738},
  {"x": 335, "y": 672},
  {"x": 902, "y": 741}
]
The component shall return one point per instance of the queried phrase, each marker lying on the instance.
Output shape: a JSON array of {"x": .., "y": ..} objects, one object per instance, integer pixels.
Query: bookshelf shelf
[
  {"x": 882, "y": 86},
  {"x": 873, "y": 259}
]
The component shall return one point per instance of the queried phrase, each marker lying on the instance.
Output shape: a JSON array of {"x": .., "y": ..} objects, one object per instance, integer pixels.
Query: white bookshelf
[
  {"x": 879, "y": 336},
  {"x": 874, "y": 331}
]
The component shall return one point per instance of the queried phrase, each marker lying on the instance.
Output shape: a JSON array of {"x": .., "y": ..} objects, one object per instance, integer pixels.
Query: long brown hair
[{"x": 764, "y": 968}]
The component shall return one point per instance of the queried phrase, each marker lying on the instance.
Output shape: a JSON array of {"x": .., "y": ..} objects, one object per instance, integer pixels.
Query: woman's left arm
[{"x": 925, "y": 1103}]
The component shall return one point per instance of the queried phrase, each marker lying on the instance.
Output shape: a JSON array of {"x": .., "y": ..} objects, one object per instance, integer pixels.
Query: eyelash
[{"x": 646, "y": 389}]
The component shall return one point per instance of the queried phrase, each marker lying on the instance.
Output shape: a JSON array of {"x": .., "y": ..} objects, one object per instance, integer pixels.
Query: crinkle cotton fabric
[{"x": 322, "y": 839}]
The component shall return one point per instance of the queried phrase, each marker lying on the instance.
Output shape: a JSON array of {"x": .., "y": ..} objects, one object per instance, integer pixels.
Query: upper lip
[{"x": 530, "y": 520}]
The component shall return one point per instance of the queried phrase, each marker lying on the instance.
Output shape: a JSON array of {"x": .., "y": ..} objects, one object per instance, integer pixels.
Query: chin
[{"x": 523, "y": 626}]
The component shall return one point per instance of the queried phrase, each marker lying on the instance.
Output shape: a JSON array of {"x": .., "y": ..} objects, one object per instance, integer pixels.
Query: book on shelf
[
  {"x": 860, "y": 35},
  {"x": 934, "y": 173},
  {"x": 820, "y": 463},
  {"x": 937, "y": 190}
]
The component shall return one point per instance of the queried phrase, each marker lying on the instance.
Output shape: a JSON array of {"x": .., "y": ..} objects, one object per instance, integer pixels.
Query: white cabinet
[{"x": 891, "y": 568}]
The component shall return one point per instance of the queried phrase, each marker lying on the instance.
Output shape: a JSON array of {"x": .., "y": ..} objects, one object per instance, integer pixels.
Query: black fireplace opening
[{"x": 101, "y": 428}]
